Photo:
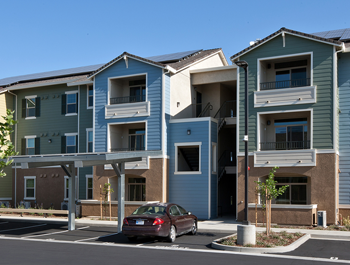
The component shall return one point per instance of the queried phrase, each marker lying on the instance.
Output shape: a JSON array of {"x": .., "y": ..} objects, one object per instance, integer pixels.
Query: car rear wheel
[
  {"x": 172, "y": 234},
  {"x": 194, "y": 228},
  {"x": 132, "y": 238}
]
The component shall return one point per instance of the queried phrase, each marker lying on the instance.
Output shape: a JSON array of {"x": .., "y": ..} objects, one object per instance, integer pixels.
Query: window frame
[
  {"x": 25, "y": 187},
  {"x": 27, "y": 108},
  {"x": 214, "y": 152},
  {"x": 65, "y": 189},
  {"x": 88, "y": 97},
  {"x": 27, "y": 138},
  {"x": 290, "y": 184},
  {"x": 76, "y": 142},
  {"x": 136, "y": 184},
  {"x": 87, "y": 177},
  {"x": 179, "y": 145},
  {"x": 67, "y": 93},
  {"x": 89, "y": 130}
]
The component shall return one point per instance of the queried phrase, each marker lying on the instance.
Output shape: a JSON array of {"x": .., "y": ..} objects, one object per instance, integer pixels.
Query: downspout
[
  {"x": 164, "y": 189},
  {"x": 15, "y": 200}
]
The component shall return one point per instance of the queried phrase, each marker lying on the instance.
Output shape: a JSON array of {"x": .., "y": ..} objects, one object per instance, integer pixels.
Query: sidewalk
[{"x": 219, "y": 225}]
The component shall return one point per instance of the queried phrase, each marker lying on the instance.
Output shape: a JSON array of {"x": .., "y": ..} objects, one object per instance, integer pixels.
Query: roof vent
[{"x": 254, "y": 41}]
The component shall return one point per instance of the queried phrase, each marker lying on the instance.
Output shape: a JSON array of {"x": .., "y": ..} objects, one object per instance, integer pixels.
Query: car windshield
[{"x": 150, "y": 210}]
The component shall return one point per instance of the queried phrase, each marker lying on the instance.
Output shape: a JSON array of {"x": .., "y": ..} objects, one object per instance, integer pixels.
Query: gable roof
[{"x": 293, "y": 32}]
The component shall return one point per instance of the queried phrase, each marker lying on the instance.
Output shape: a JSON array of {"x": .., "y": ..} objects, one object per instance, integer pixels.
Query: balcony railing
[
  {"x": 227, "y": 110},
  {"x": 136, "y": 143},
  {"x": 130, "y": 99},
  {"x": 127, "y": 149},
  {"x": 291, "y": 145},
  {"x": 285, "y": 84}
]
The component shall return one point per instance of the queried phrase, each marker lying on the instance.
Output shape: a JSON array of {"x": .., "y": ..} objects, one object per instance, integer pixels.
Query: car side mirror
[{"x": 189, "y": 213}]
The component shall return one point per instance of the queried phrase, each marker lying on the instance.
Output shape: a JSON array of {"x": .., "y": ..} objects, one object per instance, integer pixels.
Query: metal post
[
  {"x": 246, "y": 143},
  {"x": 70, "y": 171},
  {"x": 121, "y": 195}
]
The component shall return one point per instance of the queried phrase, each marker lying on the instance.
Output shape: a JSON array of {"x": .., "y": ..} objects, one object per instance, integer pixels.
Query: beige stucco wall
[
  {"x": 215, "y": 76},
  {"x": 182, "y": 91},
  {"x": 321, "y": 188}
]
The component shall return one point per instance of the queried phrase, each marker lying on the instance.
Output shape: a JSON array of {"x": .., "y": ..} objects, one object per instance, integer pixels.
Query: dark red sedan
[{"x": 159, "y": 219}]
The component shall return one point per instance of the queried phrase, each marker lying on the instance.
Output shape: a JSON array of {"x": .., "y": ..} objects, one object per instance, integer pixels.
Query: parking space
[{"x": 103, "y": 235}]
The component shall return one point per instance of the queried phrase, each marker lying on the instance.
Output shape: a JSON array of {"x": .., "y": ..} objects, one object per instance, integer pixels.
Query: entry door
[{"x": 198, "y": 104}]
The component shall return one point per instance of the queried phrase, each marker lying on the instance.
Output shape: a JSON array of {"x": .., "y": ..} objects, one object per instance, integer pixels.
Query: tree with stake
[
  {"x": 268, "y": 191},
  {"x": 6, "y": 147}
]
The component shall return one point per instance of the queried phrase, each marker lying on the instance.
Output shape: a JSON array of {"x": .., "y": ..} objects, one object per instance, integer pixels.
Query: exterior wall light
[
  {"x": 50, "y": 141},
  {"x": 188, "y": 132}
]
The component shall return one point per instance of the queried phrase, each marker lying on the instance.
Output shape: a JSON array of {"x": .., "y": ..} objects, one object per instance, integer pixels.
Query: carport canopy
[{"x": 69, "y": 162}]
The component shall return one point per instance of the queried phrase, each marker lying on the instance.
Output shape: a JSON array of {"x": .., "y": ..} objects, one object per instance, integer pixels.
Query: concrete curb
[{"x": 289, "y": 248}]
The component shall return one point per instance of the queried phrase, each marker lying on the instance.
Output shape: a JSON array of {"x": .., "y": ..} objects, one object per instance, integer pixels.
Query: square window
[
  {"x": 71, "y": 144},
  {"x": 187, "y": 158},
  {"x": 137, "y": 189}
]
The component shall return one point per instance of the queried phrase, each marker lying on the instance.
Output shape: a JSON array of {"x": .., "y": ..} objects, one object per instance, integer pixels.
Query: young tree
[
  {"x": 7, "y": 150},
  {"x": 268, "y": 191}
]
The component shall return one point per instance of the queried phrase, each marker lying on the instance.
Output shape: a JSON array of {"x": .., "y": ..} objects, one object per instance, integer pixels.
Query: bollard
[{"x": 246, "y": 234}]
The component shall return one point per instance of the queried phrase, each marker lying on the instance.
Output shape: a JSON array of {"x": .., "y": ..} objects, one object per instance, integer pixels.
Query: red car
[{"x": 159, "y": 219}]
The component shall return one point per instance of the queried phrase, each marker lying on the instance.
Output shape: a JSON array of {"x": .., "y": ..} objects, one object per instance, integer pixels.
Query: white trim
[
  {"x": 193, "y": 120},
  {"x": 70, "y": 134},
  {"x": 32, "y": 96},
  {"x": 341, "y": 206},
  {"x": 243, "y": 154},
  {"x": 214, "y": 160},
  {"x": 133, "y": 114},
  {"x": 30, "y": 136},
  {"x": 281, "y": 153},
  {"x": 71, "y": 92},
  {"x": 164, "y": 192},
  {"x": 297, "y": 35},
  {"x": 200, "y": 158},
  {"x": 209, "y": 172},
  {"x": 30, "y": 118},
  {"x": 287, "y": 206},
  {"x": 283, "y": 111},
  {"x": 86, "y": 185},
  {"x": 87, "y": 139},
  {"x": 212, "y": 69},
  {"x": 107, "y": 66},
  {"x": 25, "y": 188},
  {"x": 282, "y": 91},
  {"x": 87, "y": 96},
  {"x": 93, "y": 117},
  {"x": 335, "y": 124},
  {"x": 6, "y": 199},
  {"x": 120, "y": 123}
]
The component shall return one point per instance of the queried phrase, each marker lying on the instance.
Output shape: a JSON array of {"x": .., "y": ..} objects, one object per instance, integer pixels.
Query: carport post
[
  {"x": 120, "y": 171},
  {"x": 71, "y": 196}
]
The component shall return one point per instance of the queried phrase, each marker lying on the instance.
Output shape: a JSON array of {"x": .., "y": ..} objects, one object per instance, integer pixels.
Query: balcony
[
  {"x": 130, "y": 99},
  {"x": 290, "y": 145}
]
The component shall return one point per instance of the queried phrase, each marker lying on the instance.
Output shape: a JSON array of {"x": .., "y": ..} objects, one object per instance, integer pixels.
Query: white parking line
[
  {"x": 87, "y": 239},
  {"x": 53, "y": 233},
  {"x": 21, "y": 228}
]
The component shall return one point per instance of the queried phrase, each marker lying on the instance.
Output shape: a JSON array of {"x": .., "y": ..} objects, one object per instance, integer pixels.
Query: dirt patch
[{"x": 275, "y": 239}]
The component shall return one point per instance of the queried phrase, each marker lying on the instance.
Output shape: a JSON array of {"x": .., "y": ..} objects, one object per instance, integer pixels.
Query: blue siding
[
  {"x": 154, "y": 95},
  {"x": 344, "y": 128},
  {"x": 167, "y": 109},
  {"x": 190, "y": 191}
]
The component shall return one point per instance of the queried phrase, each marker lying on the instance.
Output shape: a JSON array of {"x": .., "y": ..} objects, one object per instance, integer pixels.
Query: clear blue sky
[{"x": 39, "y": 36}]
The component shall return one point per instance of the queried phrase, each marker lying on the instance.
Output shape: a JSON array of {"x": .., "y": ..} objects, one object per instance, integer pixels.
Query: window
[
  {"x": 89, "y": 146},
  {"x": 30, "y": 145},
  {"x": 137, "y": 189},
  {"x": 188, "y": 158},
  {"x": 70, "y": 103},
  {"x": 136, "y": 139},
  {"x": 69, "y": 143},
  {"x": 89, "y": 187},
  {"x": 29, "y": 188},
  {"x": 31, "y": 107},
  {"x": 296, "y": 193},
  {"x": 291, "y": 134},
  {"x": 174, "y": 211},
  {"x": 137, "y": 90},
  {"x": 90, "y": 98},
  {"x": 66, "y": 187}
]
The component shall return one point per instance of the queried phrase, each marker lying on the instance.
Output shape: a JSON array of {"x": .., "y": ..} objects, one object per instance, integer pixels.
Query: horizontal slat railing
[
  {"x": 285, "y": 84},
  {"x": 291, "y": 145}
]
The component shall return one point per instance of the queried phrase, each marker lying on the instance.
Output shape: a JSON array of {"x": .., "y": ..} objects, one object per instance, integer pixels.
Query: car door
[
  {"x": 177, "y": 219},
  {"x": 187, "y": 219}
]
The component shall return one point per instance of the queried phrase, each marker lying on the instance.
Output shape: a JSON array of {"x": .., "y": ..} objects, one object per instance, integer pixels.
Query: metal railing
[
  {"x": 129, "y": 99},
  {"x": 285, "y": 84},
  {"x": 227, "y": 110},
  {"x": 290, "y": 145},
  {"x": 227, "y": 158},
  {"x": 198, "y": 111},
  {"x": 127, "y": 149},
  {"x": 136, "y": 143}
]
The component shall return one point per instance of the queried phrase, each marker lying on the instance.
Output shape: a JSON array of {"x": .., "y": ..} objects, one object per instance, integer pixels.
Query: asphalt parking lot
[{"x": 103, "y": 235}]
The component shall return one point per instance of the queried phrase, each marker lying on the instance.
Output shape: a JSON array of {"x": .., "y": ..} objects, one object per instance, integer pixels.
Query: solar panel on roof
[
  {"x": 57, "y": 73},
  {"x": 346, "y": 35},
  {"x": 335, "y": 33},
  {"x": 320, "y": 34},
  {"x": 171, "y": 56}
]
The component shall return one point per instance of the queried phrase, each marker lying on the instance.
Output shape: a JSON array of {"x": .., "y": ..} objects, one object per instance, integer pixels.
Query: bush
[{"x": 346, "y": 221}]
